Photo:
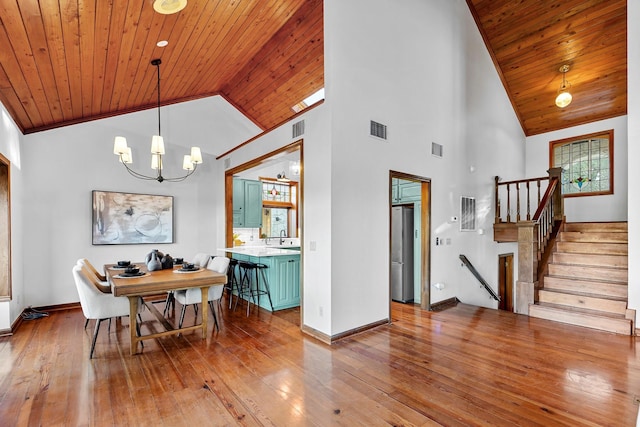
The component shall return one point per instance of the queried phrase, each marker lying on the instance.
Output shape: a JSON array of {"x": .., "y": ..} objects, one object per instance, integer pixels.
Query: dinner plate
[
  {"x": 189, "y": 270},
  {"x": 138, "y": 274},
  {"x": 116, "y": 267}
]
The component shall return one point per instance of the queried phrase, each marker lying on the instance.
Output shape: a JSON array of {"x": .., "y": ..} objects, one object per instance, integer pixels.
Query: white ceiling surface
[
  {"x": 210, "y": 123},
  {"x": 270, "y": 168}
]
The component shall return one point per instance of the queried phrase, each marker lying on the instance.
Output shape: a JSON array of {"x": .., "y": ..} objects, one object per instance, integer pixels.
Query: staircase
[{"x": 586, "y": 279}]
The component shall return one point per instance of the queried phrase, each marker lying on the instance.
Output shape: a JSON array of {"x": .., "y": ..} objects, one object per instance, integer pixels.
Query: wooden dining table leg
[
  {"x": 133, "y": 323},
  {"x": 205, "y": 312}
]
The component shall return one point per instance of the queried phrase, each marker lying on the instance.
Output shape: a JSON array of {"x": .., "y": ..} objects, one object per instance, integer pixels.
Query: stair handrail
[
  {"x": 544, "y": 216},
  {"x": 477, "y": 275},
  {"x": 516, "y": 183}
]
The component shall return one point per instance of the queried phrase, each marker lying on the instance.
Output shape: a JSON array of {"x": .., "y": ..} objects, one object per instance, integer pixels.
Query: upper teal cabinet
[
  {"x": 403, "y": 191},
  {"x": 247, "y": 203}
]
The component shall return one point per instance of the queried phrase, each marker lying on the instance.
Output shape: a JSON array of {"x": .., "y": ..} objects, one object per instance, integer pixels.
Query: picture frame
[{"x": 131, "y": 218}]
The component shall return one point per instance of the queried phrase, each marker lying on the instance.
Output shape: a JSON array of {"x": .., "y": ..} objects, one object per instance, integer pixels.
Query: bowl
[
  {"x": 132, "y": 270},
  {"x": 188, "y": 266},
  {"x": 178, "y": 260},
  {"x": 123, "y": 263}
]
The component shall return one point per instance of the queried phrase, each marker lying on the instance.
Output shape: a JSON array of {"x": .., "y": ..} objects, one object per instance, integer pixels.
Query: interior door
[{"x": 505, "y": 282}]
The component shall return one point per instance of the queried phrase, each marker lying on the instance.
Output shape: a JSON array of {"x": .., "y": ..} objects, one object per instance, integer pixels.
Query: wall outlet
[{"x": 312, "y": 245}]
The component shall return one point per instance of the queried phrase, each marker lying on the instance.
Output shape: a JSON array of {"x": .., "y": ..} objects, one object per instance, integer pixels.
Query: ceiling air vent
[
  {"x": 298, "y": 129},
  {"x": 467, "y": 213},
  {"x": 378, "y": 130},
  {"x": 436, "y": 149}
]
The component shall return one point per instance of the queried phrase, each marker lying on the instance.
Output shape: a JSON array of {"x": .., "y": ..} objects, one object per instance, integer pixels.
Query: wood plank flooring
[{"x": 458, "y": 367}]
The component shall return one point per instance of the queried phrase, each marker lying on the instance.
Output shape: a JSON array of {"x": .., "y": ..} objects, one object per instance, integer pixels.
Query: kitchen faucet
[{"x": 283, "y": 234}]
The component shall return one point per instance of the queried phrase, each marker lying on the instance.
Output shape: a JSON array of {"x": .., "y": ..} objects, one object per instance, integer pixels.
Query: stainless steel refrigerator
[{"x": 402, "y": 253}]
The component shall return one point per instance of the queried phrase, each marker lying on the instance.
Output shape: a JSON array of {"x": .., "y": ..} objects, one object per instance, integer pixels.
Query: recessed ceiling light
[
  {"x": 162, "y": 43},
  {"x": 167, "y": 7}
]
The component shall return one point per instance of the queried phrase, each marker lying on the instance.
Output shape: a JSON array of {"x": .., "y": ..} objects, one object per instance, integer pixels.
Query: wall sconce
[{"x": 564, "y": 97}]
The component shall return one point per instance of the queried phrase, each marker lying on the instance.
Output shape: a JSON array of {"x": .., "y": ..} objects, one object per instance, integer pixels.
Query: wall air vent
[
  {"x": 298, "y": 129},
  {"x": 467, "y": 213},
  {"x": 378, "y": 130},
  {"x": 436, "y": 149}
]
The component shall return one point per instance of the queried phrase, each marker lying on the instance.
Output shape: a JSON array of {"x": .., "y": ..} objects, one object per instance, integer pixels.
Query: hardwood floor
[{"x": 461, "y": 366}]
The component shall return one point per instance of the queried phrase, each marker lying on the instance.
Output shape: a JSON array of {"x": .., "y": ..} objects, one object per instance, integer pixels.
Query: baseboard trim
[
  {"x": 6, "y": 332},
  {"x": 441, "y": 305},
  {"x": 316, "y": 334},
  {"x": 59, "y": 307},
  {"x": 358, "y": 330},
  {"x": 330, "y": 339}
]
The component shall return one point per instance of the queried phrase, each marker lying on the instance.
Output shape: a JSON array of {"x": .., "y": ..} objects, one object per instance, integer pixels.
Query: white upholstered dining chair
[
  {"x": 96, "y": 304},
  {"x": 193, "y": 296},
  {"x": 201, "y": 260},
  {"x": 100, "y": 279}
]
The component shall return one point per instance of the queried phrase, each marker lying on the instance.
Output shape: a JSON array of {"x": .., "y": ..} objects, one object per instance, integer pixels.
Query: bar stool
[
  {"x": 249, "y": 286},
  {"x": 232, "y": 281}
]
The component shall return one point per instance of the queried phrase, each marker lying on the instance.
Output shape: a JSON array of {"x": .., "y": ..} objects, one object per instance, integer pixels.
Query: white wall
[
  {"x": 611, "y": 207},
  {"x": 633, "y": 152},
  {"x": 421, "y": 68}
]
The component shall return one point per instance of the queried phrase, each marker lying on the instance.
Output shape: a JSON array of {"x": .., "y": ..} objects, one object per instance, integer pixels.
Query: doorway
[
  {"x": 412, "y": 191},
  {"x": 279, "y": 160},
  {"x": 5, "y": 229},
  {"x": 505, "y": 282}
]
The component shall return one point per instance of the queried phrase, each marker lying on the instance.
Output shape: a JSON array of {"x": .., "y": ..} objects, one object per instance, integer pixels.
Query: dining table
[{"x": 148, "y": 283}]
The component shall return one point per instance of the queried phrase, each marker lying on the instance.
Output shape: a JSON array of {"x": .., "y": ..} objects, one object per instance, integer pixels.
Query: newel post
[
  {"x": 558, "y": 200},
  {"x": 527, "y": 282}
]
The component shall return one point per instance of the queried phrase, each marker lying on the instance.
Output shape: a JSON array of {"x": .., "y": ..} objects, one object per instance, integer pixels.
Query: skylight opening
[{"x": 308, "y": 101}]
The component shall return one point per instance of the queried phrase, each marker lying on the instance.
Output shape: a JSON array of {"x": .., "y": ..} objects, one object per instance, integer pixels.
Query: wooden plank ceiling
[
  {"x": 530, "y": 40},
  {"x": 69, "y": 61}
]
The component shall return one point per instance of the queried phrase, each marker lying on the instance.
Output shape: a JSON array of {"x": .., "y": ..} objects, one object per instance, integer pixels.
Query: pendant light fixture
[
  {"x": 564, "y": 97},
  {"x": 190, "y": 162},
  {"x": 167, "y": 7}
]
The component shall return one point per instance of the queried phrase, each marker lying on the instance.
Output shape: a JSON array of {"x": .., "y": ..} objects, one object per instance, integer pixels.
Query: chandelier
[{"x": 190, "y": 162}]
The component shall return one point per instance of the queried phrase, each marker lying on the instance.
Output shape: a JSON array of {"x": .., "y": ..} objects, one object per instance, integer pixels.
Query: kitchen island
[{"x": 282, "y": 272}]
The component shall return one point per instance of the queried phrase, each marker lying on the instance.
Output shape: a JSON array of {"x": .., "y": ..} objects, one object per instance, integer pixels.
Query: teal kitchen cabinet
[
  {"x": 247, "y": 203},
  {"x": 404, "y": 191},
  {"x": 409, "y": 191},
  {"x": 283, "y": 276},
  {"x": 252, "y": 204}
]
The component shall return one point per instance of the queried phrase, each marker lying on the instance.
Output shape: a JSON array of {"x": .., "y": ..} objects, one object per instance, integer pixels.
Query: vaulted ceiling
[
  {"x": 69, "y": 61},
  {"x": 529, "y": 42}
]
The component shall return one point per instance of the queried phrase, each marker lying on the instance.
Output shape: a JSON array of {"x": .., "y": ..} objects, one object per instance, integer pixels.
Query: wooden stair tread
[
  {"x": 596, "y": 237},
  {"x": 576, "y": 301},
  {"x": 593, "y": 248},
  {"x": 581, "y": 317},
  {"x": 582, "y": 272},
  {"x": 593, "y": 260},
  {"x": 590, "y": 287},
  {"x": 596, "y": 226},
  {"x": 586, "y": 293}
]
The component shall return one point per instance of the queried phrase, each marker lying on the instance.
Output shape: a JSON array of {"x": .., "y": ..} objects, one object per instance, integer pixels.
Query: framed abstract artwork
[{"x": 130, "y": 219}]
